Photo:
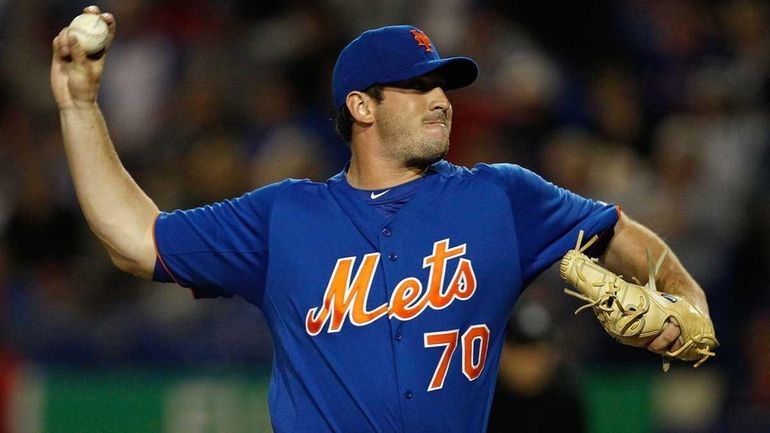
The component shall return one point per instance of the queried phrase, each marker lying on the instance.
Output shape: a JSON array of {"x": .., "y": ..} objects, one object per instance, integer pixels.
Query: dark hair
[{"x": 343, "y": 123}]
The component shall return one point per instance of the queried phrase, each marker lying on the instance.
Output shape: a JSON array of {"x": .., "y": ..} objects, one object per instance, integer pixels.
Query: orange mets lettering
[
  {"x": 437, "y": 264},
  {"x": 343, "y": 299},
  {"x": 346, "y": 297},
  {"x": 404, "y": 302},
  {"x": 422, "y": 39}
]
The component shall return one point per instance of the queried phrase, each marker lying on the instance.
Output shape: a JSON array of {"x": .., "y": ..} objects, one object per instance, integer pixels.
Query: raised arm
[
  {"x": 117, "y": 210},
  {"x": 626, "y": 255}
]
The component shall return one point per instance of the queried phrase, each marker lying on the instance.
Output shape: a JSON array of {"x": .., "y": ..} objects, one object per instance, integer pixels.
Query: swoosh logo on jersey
[
  {"x": 376, "y": 196},
  {"x": 347, "y": 293}
]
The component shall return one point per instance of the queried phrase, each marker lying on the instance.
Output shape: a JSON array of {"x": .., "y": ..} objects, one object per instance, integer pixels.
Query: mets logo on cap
[
  {"x": 422, "y": 39},
  {"x": 391, "y": 54}
]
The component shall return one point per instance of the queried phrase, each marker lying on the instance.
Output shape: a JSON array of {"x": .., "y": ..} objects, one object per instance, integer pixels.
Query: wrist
[
  {"x": 691, "y": 291},
  {"x": 78, "y": 106}
]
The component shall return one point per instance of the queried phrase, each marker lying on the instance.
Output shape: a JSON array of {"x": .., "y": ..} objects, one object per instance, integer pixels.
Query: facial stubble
[{"x": 412, "y": 149}]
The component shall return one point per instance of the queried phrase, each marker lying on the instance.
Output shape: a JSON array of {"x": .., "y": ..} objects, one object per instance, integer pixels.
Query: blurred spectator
[
  {"x": 536, "y": 390},
  {"x": 615, "y": 104}
]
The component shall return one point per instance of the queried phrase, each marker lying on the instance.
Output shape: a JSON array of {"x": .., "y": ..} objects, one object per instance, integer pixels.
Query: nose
[{"x": 439, "y": 100}]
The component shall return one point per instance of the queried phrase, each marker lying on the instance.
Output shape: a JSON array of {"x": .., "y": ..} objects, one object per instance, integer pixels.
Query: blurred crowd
[{"x": 660, "y": 106}]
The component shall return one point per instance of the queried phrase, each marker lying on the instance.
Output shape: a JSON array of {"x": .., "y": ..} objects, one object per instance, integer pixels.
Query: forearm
[
  {"x": 626, "y": 255},
  {"x": 117, "y": 210}
]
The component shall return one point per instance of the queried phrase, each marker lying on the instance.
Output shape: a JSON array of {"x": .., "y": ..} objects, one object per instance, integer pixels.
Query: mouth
[{"x": 437, "y": 122}]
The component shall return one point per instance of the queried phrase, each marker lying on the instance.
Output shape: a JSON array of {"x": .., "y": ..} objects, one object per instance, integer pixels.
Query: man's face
[{"x": 414, "y": 120}]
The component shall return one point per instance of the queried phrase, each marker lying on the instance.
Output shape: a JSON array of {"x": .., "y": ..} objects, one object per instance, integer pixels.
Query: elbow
[
  {"x": 132, "y": 252},
  {"x": 139, "y": 267}
]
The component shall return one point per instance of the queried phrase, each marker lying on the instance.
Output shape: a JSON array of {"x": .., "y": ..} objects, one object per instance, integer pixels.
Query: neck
[{"x": 379, "y": 174}]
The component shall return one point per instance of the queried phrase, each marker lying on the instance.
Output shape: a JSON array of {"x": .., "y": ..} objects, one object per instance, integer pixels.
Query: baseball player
[{"x": 387, "y": 287}]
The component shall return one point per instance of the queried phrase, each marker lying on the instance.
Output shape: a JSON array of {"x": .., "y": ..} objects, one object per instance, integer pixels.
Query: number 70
[{"x": 473, "y": 359}]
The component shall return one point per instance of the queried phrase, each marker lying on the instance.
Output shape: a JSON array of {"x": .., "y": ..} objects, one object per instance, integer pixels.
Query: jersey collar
[{"x": 412, "y": 215}]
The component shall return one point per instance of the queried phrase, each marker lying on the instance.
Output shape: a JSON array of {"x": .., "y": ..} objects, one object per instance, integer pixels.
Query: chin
[{"x": 424, "y": 161}]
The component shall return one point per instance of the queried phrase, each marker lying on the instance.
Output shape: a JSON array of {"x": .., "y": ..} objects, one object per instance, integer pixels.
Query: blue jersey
[{"x": 381, "y": 323}]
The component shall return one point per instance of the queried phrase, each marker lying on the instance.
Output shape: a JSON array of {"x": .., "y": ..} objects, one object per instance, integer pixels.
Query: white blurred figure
[{"x": 138, "y": 80}]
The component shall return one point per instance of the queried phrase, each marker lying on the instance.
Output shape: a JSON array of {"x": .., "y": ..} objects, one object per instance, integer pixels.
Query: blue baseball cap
[{"x": 395, "y": 53}]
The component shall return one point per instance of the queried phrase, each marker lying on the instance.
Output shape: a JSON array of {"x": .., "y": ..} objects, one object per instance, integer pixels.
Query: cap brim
[{"x": 457, "y": 71}]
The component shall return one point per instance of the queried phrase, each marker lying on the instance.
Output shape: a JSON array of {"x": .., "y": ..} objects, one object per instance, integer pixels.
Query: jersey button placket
[
  {"x": 408, "y": 395},
  {"x": 392, "y": 257},
  {"x": 387, "y": 232}
]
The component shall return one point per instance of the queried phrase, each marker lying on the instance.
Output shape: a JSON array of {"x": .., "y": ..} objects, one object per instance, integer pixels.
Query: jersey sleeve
[
  {"x": 547, "y": 218},
  {"x": 219, "y": 249}
]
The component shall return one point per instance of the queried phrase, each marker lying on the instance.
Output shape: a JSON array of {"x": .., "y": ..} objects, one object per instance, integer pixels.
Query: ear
[{"x": 360, "y": 106}]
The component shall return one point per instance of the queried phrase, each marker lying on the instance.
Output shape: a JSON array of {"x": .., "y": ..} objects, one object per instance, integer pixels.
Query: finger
[
  {"x": 666, "y": 339},
  {"x": 111, "y": 25},
  {"x": 61, "y": 44},
  {"x": 679, "y": 342},
  {"x": 109, "y": 19},
  {"x": 56, "y": 46},
  {"x": 93, "y": 9},
  {"x": 76, "y": 51}
]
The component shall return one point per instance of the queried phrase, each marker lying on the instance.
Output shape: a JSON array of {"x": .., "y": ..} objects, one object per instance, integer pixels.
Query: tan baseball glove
[{"x": 634, "y": 314}]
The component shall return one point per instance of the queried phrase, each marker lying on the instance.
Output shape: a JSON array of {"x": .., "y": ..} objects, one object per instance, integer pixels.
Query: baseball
[{"x": 91, "y": 32}]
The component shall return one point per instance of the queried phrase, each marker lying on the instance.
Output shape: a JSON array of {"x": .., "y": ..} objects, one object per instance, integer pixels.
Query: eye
[
  {"x": 422, "y": 85},
  {"x": 427, "y": 83}
]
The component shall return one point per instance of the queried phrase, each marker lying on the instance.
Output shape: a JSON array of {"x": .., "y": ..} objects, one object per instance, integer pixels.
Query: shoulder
[
  {"x": 259, "y": 201},
  {"x": 504, "y": 175},
  {"x": 284, "y": 189}
]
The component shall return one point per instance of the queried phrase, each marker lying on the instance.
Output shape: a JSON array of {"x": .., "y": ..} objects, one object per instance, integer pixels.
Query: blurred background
[{"x": 660, "y": 106}]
